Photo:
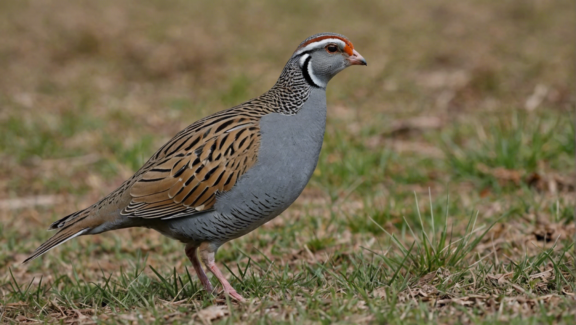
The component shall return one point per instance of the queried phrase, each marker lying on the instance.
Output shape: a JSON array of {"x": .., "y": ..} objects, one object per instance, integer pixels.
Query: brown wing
[{"x": 185, "y": 176}]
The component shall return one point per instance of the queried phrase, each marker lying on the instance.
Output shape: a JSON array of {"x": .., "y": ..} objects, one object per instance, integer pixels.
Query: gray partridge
[{"x": 227, "y": 174}]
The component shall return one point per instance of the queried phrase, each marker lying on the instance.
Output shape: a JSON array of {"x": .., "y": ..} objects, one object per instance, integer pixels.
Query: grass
[{"x": 444, "y": 191}]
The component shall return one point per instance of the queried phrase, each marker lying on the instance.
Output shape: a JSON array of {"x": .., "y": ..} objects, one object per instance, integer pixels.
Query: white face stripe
[
  {"x": 303, "y": 59},
  {"x": 317, "y": 81},
  {"x": 321, "y": 43}
]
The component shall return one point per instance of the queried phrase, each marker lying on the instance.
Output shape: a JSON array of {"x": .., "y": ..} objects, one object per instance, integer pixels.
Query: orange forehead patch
[{"x": 348, "y": 48}]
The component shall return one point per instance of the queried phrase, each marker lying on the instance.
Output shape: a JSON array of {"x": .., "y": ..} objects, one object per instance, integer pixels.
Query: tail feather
[
  {"x": 60, "y": 237},
  {"x": 69, "y": 218}
]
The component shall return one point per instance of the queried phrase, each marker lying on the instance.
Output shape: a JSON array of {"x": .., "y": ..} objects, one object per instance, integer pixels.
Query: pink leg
[
  {"x": 193, "y": 257},
  {"x": 207, "y": 254}
]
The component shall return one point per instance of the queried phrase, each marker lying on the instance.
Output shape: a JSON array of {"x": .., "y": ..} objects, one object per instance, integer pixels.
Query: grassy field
[{"x": 445, "y": 190}]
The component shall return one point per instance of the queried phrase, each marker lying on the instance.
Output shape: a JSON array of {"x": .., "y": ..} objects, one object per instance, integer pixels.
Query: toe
[{"x": 235, "y": 295}]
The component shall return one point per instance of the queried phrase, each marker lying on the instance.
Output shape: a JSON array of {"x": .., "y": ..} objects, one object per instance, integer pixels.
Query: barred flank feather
[{"x": 61, "y": 237}]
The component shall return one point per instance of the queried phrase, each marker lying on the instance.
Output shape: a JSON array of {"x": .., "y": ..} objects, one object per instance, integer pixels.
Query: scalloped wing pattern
[{"x": 185, "y": 176}]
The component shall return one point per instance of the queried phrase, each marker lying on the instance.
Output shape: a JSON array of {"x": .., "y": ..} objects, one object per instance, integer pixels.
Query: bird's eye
[{"x": 331, "y": 48}]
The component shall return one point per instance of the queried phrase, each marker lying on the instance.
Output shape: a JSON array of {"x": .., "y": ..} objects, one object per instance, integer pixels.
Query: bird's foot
[
  {"x": 192, "y": 255},
  {"x": 206, "y": 284},
  {"x": 233, "y": 294},
  {"x": 207, "y": 253}
]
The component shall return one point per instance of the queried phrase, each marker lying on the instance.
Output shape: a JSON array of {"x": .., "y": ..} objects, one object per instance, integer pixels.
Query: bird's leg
[
  {"x": 193, "y": 257},
  {"x": 207, "y": 252}
]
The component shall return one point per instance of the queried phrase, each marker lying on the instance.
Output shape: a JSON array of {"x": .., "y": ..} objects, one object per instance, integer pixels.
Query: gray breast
[{"x": 289, "y": 150}]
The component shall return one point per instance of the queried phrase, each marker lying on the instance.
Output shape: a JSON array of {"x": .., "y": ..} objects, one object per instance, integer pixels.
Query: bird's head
[{"x": 322, "y": 56}]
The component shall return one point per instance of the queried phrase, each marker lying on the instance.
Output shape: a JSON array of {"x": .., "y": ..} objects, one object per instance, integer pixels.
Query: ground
[{"x": 445, "y": 190}]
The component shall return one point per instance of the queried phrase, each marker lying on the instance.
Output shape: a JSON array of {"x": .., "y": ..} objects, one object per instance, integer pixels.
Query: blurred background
[{"x": 471, "y": 100}]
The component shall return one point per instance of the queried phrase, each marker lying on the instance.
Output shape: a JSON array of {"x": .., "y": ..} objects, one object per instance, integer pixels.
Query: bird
[{"x": 227, "y": 174}]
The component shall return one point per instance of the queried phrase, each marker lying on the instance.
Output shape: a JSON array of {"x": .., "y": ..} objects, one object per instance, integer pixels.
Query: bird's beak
[{"x": 357, "y": 59}]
